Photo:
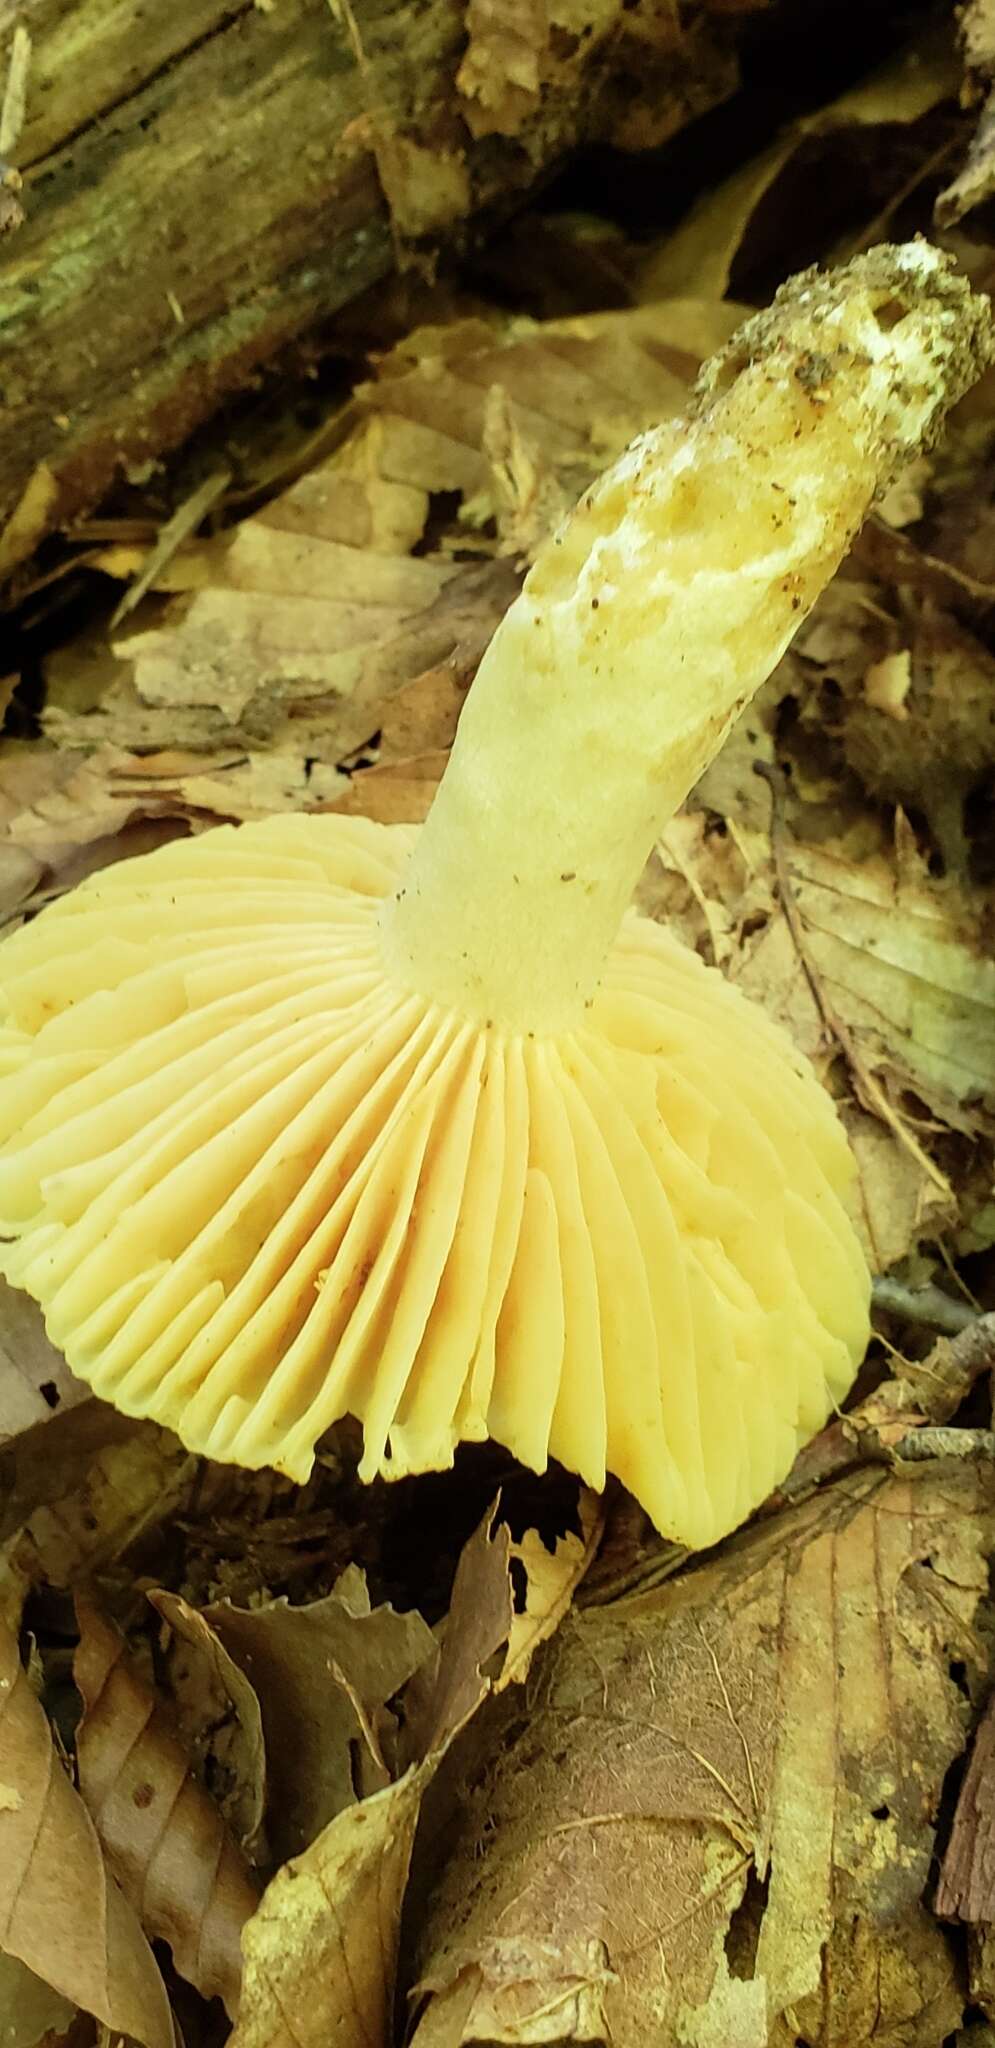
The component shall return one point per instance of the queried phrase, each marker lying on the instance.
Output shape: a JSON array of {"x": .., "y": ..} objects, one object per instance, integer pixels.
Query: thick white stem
[{"x": 649, "y": 621}]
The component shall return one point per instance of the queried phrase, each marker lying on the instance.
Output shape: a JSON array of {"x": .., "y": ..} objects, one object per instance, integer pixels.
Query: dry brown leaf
[
  {"x": 941, "y": 1381},
  {"x": 551, "y": 1579},
  {"x": 54, "y": 804},
  {"x": 35, "y": 1381},
  {"x": 132, "y": 1483},
  {"x": 219, "y": 1720},
  {"x": 110, "y": 805},
  {"x": 399, "y": 793},
  {"x": 479, "y": 1623},
  {"x": 500, "y": 74},
  {"x": 30, "y": 2010},
  {"x": 943, "y": 745},
  {"x": 310, "y": 1668},
  {"x": 44, "y": 1465},
  {"x": 20, "y": 873},
  {"x": 163, "y": 1837},
  {"x": 906, "y": 962},
  {"x": 510, "y": 416},
  {"x": 423, "y": 716},
  {"x": 272, "y": 603},
  {"x": 287, "y": 740},
  {"x": 956, "y": 576},
  {"x": 312, "y": 629},
  {"x": 976, "y": 182},
  {"x": 700, "y": 253},
  {"x": 425, "y": 183},
  {"x": 427, "y": 187},
  {"x": 877, "y": 961},
  {"x": 299, "y": 628},
  {"x": 285, "y": 617},
  {"x": 788, "y": 1708},
  {"x": 321, "y": 1952},
  {"x": 519, "y": 51},
  {"x": 235, "y": 784},
  {"x": 61, "y": 1914},
  {"x": 900, "y": 1201},
  {"x": 887, "y": 684}
]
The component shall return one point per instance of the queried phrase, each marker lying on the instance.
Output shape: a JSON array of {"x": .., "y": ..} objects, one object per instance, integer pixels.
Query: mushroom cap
[{"x": 256, "y": 1185}]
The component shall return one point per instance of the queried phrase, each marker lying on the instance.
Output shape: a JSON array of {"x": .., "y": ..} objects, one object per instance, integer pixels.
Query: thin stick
[
  {"x": 16, "y": 90},
  {"x": 928, "y": 1306}
]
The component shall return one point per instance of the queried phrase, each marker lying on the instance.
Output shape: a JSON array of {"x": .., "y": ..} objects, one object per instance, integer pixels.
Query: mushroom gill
[{"x": 317, "y": 1117}]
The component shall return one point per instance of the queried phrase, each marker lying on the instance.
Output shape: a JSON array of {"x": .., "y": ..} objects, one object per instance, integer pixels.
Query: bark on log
[{"x": 206, "y": 179}]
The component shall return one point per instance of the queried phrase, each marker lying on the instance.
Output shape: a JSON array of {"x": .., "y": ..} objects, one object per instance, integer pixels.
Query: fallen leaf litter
[{"x": 741, "y": 1768}]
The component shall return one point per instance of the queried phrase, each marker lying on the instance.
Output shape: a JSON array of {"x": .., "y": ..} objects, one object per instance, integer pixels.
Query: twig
[
  {"x": 931, "y": 1389},
  {"x": 935, "y": 1386},
  {"x": 184, "y": 522},
  {"x": 928, "y": 1306},
  {"x": 16, "y": 90},
  {"x": 920, "y": 1444}
]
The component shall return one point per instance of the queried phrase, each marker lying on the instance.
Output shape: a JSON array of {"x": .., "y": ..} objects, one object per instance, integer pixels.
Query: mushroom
[{"x": 315, "y": 1116}]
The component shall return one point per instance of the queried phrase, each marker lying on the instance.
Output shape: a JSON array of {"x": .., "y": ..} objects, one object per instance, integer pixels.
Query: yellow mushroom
[{"x": 316, "y": 1117}]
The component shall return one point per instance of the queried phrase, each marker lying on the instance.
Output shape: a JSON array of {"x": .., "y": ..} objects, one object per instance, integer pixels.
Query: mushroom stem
[{"x": 652, "y": 617}]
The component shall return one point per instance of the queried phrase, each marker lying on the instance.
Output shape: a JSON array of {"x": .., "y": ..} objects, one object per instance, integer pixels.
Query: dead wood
[{"x": 203, "y": 182}]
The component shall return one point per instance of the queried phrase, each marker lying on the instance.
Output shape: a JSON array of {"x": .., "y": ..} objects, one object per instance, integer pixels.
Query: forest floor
[{"x": 478, "y": 1758}]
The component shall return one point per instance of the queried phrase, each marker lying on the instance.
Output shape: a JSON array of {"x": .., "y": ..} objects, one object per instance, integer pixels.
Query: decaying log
[{"x": 205, "y": 180}]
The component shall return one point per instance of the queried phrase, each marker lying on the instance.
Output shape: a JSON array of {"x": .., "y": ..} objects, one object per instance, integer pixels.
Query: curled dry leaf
[
  {"x": 551, "y": 1579},
  {"x": 321, "y": 1951},
  {"x": 320, "y": 1954},
  {"x": 51, "y": 1430},
  {"x": 131, "y": 1484},
  {"x": 302, "y": 611},
  {"x": 714, "y": 1820},
  {"x": 219, "y": 1719},
  {"x": 61, "y": 1914},
  {"x": 311, "y": 1668},
  {"x": 163, "y": 1837}
]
